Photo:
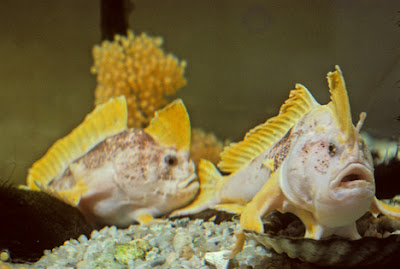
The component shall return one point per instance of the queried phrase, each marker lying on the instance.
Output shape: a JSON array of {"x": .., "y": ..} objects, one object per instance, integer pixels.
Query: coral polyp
[{"x": 136, "y": 66}]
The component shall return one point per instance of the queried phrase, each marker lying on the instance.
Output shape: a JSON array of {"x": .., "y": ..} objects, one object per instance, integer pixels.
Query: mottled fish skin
[
  {"x": 251, "y": 161},
  {"x": 325, "y": 174},
  {"x": 312, "y": 178},
  {"x": 128, "y": 174},
  {"x": 118, "y": 176}
]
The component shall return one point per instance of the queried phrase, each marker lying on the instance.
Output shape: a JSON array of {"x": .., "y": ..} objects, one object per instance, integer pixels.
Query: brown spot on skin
[
  {"x": 281, "y": 149},
  {"x": 320, "y": 152},
  {"x": 109, "y": 148},
  {"x": 106, "y": 151}
]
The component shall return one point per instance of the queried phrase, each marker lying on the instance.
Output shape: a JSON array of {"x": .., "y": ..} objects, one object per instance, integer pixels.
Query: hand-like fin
[
  {"x": 211, "y": 182},
  {"x": 230, "y": 208},
  {"x": 378, "y": 207},
  {"x": 269, "y": 198}
]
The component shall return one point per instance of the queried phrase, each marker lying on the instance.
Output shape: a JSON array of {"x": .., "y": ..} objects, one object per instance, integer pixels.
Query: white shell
[{"x": 217, "y": 259}]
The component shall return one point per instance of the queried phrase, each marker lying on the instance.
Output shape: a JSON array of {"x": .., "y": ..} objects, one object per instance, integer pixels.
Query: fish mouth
[
  {"x": 354, "y": 175},
  {"x": 188, "y": 182}
]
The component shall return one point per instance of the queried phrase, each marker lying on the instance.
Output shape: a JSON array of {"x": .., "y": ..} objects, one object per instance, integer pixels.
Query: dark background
[{"x": 243, "y": 59}]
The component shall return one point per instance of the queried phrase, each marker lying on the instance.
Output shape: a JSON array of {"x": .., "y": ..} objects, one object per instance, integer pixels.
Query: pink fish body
[{"x": 118, "y": 176}]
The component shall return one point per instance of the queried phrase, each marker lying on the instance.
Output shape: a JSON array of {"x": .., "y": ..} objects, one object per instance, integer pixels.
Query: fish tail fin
[{"x": 211, "y": 183}]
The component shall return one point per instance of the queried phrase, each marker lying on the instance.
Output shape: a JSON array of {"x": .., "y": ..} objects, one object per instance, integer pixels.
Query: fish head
[
  {"x": 173, "y": 175},
  {"x": 329, "y": 170},
  {"x": 170, "y": 167}
]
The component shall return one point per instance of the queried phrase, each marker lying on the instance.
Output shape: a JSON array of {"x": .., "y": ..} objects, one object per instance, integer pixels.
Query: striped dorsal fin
[
  {"x": 104, "y": 121},
  {"x": 263, "y": 136}
]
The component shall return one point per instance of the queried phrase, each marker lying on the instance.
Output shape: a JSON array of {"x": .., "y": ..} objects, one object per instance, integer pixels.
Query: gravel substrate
[
  {"x": 181, "y": 243},
  {"x": 185, "y": 244}
]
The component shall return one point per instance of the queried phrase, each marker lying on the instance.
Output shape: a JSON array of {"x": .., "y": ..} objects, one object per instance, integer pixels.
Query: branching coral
[{"x": 137, "y": 67}]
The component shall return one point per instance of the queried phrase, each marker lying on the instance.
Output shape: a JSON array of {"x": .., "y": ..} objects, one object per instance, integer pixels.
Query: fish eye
[
  {"x": 171, "y": 160},
  {"x": 332, "y": 149}
]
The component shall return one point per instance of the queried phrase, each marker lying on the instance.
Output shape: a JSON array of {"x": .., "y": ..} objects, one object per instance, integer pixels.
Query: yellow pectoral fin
[
  {"x": 230, "y": 208},
  {"x": 388, "y": 210},
  {"x": 269, "y": 198},
  {"x": 211, "y": 182},
  {"x": 313, "y": 229},
  {"x": 239, "y": 244}
]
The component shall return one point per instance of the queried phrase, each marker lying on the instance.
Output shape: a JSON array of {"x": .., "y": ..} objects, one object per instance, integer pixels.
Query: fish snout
[
  {"x": 354, "y": 175},
  {"x": 188, "y": 182}
]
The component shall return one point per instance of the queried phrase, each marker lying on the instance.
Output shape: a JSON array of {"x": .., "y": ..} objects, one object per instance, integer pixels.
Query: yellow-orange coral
[
  {"x": 137, "y": 67},
  {"x": 205, "y": 146}
]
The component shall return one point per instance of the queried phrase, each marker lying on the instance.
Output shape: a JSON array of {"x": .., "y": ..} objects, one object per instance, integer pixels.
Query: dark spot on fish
[
  {"x": 281, "y": 149},
  {"x": 322, "y": 166},
  {"x": 332, "y": 150},
  {"x": 145, "y": 140},
  {"x": 322, "y": 162},
  {"x": 171, "y": 160}
]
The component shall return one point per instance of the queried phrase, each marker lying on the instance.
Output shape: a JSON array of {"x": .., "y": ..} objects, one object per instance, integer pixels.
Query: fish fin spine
[
  {"x": 265, "y": 135},
  {"x": 170, "y": 126},
  {"x": 105, "y": 120}
]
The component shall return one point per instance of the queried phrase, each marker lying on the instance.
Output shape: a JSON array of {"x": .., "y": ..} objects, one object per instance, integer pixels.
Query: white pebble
[
  {"x": 95, "y": 234},
  {"x": 217, "y": 259},
  {"x": 112, "y": 231},
  {"x": 182, "y": 239},
  {"x": 83, "y": 239}
]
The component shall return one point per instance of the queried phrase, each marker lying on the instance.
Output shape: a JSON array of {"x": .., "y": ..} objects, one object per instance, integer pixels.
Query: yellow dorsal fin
[
  {"x": 340, "y": 103},
  {"x": 265, "y": 135},
  {"x": 171, "y": 126},
  {"x": 104, "y": 121}
]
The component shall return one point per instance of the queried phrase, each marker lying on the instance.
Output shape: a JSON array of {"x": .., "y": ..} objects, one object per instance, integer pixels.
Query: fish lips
[
  {"x": 355, "y": 178},
  {"x": 190, "y": 182}
]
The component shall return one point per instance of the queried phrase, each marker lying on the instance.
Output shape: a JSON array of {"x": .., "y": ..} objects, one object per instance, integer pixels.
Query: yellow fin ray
[
  {"x": 340, "y": 103},
  {"x": 230, "y": 208},
  {"x": 104, "y": 121},
  {"x": 171, "y": 126},
  {"x": 378, "y": 207},
  {"x": 265, "y": 135}
]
